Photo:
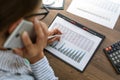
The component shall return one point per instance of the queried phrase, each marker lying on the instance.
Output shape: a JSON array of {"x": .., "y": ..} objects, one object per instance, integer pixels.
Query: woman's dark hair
[{"x": 13, "y": 10}]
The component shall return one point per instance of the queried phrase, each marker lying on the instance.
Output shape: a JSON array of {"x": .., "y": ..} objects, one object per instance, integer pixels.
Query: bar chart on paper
[
  {"x": 71, "y": 53},
  {"x": 76, "y": 46}
]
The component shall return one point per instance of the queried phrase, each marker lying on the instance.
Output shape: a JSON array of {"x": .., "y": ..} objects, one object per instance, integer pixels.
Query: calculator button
[
  {"x": 119, "y": 56},
  {"x": 111, "y": 55},
  {"x": 114, "y": 49},
  {"x": 107, "y": 49},
  {"x": 113, "y": 59},
  {"x": 117, "y": 53},
  {"x": 110, "y": 48},
  {"x": 118, "y": 61},
  {"x": 115, "y": 62},
  {"x": 118, "y": 47},
  {"x": 116, "y": 57}
]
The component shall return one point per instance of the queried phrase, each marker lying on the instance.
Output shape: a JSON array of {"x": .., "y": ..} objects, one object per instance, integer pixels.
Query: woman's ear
[{"x": 14, "y": 25}]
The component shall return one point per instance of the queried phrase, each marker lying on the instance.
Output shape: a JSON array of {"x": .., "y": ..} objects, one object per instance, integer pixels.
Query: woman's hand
[
  {"x": 53, "y": 32},
  {"x": 50, "y": 33},
  {"x": 34, "y": 51}
]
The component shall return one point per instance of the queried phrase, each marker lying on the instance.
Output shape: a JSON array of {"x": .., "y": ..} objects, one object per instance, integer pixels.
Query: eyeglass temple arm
[{"x": 37, "y": 14}]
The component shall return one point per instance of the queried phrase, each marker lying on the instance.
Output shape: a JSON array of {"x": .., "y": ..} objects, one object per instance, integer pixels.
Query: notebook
[{"x": 77, "y": 44}]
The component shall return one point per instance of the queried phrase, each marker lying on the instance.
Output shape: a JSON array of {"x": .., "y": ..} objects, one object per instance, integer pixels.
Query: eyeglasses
[{"x": 41, "y": 13}]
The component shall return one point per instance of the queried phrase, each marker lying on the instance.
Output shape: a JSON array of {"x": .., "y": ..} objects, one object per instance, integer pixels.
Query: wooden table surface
[{"x": 99, "y": 67}]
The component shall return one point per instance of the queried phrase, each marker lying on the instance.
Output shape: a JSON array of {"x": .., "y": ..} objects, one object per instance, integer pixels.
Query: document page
[
  {"x": 76, "y": 45},
  {"x": 104, "y": 12}
]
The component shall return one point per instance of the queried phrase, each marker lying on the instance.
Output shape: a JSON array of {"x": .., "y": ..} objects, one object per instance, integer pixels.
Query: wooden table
[{"x": 99, "y": 67}]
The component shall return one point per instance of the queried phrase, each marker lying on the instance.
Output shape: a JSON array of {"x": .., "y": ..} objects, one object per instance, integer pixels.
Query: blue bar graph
[{"x": 71, "y": 53}]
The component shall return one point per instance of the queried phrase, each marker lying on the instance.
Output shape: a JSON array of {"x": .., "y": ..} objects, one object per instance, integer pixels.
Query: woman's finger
[
  {"x": 54, "y": 31},
  {"x": 53, "y": 39},
  {"x": 26, "y": 40},
  {"x": 44, "y": 28},
  {"x": 38, "y": 30}
]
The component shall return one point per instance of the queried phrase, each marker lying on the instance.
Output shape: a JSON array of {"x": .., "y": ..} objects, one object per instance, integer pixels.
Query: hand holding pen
[{"x": 54, "y": 35}]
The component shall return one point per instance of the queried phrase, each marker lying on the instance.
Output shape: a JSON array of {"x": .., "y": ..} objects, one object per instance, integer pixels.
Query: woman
[{"x": 13, "y": 66}]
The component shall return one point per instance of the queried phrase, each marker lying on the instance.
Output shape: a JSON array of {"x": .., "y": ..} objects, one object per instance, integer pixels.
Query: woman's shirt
[{"x": 14, "y": 67}]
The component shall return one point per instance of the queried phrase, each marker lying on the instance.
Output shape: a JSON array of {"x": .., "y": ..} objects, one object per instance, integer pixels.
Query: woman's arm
[
  {"x": 42, "y": 70},
  {"x": 34, "y": 52}
]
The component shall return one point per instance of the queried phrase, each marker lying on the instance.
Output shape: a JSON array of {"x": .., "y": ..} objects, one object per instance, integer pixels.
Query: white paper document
[
  {"x": 76, "y": 45},
  {"x": 104, "y": 12}
]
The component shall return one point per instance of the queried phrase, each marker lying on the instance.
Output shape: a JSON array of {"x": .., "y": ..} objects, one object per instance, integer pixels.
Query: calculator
[{"x": 113, "y": 54}]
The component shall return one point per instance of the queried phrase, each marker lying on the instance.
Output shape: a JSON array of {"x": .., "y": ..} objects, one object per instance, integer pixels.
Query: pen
[{"x": 50, "y": 37}]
